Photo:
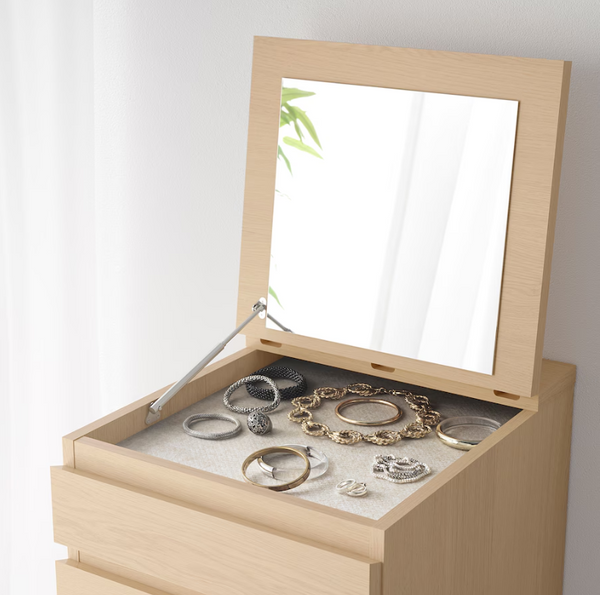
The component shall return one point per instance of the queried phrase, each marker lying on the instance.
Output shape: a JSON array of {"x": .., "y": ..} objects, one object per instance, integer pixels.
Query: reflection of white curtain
[
  {"x": 447, "y": 236},
  {"x": 404, "y": 182},
  {"x": 48, "y": 353}
]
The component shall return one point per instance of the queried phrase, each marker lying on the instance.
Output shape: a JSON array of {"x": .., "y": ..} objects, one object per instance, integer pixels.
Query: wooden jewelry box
[{"x": 491, "y": 521}]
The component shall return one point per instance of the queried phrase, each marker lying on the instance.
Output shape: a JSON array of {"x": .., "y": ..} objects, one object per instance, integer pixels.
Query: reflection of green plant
[
  {"x": 292, "y": 115},
  {"x": 272, "y": 292}
]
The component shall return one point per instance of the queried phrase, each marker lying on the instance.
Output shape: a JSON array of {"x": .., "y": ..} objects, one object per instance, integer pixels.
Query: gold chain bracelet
[{"x": 302, "y": 414}]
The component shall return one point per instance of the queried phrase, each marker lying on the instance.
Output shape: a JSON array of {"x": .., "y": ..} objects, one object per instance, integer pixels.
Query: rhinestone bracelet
[{"x": 402, "y": 470}]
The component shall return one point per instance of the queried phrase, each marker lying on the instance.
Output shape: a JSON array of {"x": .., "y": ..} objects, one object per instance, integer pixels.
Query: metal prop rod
[
  {"x": 156, "y": 406},
  {"x": 283, "y": 328}
]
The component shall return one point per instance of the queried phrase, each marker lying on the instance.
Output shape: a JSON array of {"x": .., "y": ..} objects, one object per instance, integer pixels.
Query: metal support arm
[{"x": 156, "y": 406}]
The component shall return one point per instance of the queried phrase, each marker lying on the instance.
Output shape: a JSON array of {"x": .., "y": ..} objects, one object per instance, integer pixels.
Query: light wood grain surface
[
  {"x": 81, "y": 579},
  {"x": 540, "y": 86},
  {"x": 496, "y": 527},
  {"x": 191, "y": 547},
  {"x": 414, "y": 378},
  {"x": 283, "y": 512},
  {"x": 123, "y": 572}
]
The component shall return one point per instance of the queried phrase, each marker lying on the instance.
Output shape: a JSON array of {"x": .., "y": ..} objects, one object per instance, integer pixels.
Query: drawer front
[
  {"x": 73, "y": 578},
  {"x": 194, "y": 548}
]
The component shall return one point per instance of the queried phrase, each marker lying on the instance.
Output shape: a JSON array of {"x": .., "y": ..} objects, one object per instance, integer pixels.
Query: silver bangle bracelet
[
  {"x": 318, "y": 462},
  {"x": 211, "y": 435},
  {"x": 247, "y": 410},
  {"x": 466, "y": 431}
]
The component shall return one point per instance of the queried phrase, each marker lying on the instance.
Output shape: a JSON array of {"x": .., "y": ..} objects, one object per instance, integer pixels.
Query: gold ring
[
  {"x": 272, "y": 450},
  {"x": 356, "y": 422}
]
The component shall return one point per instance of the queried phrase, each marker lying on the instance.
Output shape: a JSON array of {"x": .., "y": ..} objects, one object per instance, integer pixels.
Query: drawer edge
[
  {"x": 191, "y": 547},
  {"x": 75, "y": 578},
  {"x": 272, "y": 510},
  {"x": 455, "y": 469}
]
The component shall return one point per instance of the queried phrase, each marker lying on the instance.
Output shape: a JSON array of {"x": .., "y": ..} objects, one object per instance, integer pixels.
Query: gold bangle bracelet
[
  {"x": 358, "y": 422},
  {"x": 272, "y": 450}
]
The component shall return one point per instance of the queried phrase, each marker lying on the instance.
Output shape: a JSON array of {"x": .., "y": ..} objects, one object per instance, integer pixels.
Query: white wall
[{"x": 172, "y": 84}]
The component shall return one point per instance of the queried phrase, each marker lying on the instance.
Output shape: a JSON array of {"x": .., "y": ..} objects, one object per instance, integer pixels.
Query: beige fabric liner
[{"x": 167, "y": 440}]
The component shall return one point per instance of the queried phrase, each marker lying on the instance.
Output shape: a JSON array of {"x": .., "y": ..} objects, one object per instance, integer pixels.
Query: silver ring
[
  {"x": 358, "y": 490},
  {"x": 211, "y": 435},
  {"x": 246, "y": 410},
  {"x": 351, "y": 487},
  {"x": 316, "y": 469},
  {"x": 345, "y": 486}
]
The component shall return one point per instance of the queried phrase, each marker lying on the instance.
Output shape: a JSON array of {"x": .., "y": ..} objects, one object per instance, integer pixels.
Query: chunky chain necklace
[{"x": 302, "y": 414}]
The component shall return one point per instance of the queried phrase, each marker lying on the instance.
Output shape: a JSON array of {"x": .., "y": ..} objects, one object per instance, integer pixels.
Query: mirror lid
[{"x": 540, "y": 86}]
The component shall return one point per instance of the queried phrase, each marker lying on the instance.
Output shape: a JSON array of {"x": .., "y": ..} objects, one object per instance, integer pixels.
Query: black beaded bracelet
[{"x": 275, "y": 372}]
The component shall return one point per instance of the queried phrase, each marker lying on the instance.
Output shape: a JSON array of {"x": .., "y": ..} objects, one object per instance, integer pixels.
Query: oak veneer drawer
[
  {"x": 74, "y": 578},
  {"x": 195, "y": 548}
]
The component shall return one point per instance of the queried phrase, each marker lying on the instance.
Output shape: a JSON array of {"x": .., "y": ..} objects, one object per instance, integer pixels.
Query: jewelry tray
[{"x": 167, "y": 440}]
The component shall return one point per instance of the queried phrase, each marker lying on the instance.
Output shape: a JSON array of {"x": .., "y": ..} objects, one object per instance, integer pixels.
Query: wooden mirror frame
[{"x": 540, "y": 87}]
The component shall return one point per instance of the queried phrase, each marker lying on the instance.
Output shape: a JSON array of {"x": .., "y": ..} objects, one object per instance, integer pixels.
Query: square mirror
[
  {"x": 395, "y": 214},
  {"x": 390, "y": 218}
]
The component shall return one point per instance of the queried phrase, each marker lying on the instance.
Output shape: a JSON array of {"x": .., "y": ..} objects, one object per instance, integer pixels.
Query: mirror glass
[{"x": 390, "y": 219}]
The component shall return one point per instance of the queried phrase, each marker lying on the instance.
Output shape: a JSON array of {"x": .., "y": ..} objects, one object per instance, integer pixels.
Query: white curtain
[
  {"x": 48, "y": 358},
  {"x": 119, "y": 233}
]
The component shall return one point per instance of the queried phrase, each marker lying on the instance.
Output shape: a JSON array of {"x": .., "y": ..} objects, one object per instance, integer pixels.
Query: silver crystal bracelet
[
  {"x": 211, "y": 435},
  {"x": 402, "y": 470}
]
